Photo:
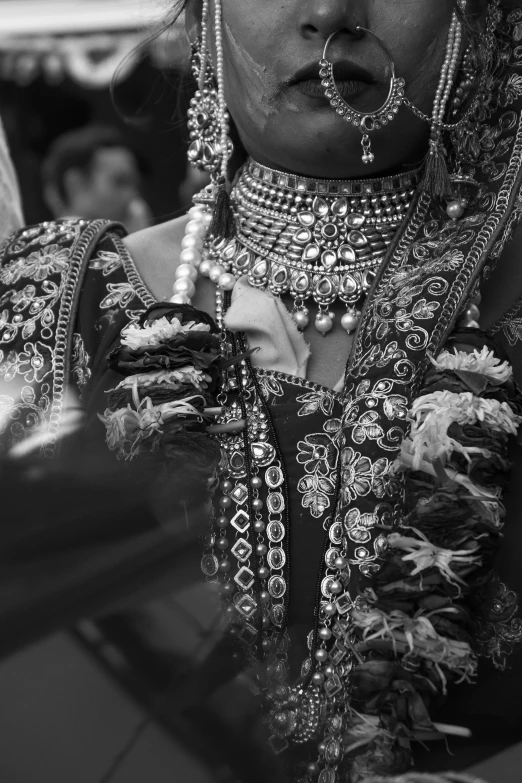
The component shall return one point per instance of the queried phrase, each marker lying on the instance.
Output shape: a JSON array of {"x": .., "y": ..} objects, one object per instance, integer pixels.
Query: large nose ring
[{"x": 366, "y": 122}]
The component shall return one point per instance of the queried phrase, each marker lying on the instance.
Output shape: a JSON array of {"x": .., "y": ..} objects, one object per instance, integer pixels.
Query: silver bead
[
  {"x": 325, "y": 634},
  {"x": 350, "y": 320},
  {"x": 205, "y": 267},
  {"x": 190, "y": 255},
  {"x": 184, "y": 286},
  {"x": 455, "y": 210},
  {"x": 321, "y": 655},
  {"x": 323, "y": 323},
  {"x": 193, "y": 241},
  {"x": 227, "y": 281},
  {"x": 215, "y": 273},
  {"x": 186, "y": 270},
  {"x": 329, "y": 609},
  {"x": 301, "y": 319},
  {"x": 335, "y": 587},
  {"x": 473, "y": 313}
]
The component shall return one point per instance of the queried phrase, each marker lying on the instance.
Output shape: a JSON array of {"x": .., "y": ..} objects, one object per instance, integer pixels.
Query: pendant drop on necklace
[
  {"x": 317, "y": 241},
  {"x": 350, "y": 320},
  {"x": 324, "y": 322}
]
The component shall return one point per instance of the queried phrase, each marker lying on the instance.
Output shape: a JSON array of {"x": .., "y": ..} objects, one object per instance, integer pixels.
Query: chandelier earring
[
  {"x": 203, "y": 152},
  {"x": 366, "y": 122},
  {"x": 206, "y": 114},
  {"x": 209, "y": 121}
]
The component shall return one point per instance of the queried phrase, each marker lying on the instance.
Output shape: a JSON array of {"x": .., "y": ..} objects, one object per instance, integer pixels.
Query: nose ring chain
[{"x": 366, "y": 122}]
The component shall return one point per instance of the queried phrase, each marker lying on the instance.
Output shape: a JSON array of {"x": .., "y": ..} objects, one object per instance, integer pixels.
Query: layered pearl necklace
[{"x": 319, "y": 240}]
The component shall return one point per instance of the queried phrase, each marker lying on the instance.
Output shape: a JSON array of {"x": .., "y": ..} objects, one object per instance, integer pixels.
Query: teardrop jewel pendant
[{"x": 316, "y": 241}]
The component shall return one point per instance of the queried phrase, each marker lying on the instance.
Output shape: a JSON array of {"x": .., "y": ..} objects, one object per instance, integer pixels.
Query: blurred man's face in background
[{"x": 109, "y": 187}]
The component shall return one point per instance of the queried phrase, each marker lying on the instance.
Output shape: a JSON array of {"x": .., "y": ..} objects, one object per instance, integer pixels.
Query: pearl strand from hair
[
  {"x": 192, "y": 261},
  {"x": 445, "y": 81},
  {"x": 220, "y": 77},
  {"x": 204, "y": 50}
]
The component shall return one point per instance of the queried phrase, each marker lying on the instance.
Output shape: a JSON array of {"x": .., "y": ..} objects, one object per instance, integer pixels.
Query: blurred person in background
[
  {"x": 192, "y": 183},
  {"x": 91, "y": 173}
]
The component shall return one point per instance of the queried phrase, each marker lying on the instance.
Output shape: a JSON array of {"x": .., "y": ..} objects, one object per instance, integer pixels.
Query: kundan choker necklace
[{"x": 316, "y": 240}]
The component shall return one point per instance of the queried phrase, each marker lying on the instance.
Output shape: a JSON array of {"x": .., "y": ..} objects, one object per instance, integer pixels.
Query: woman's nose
[{"x": 320, "y": 18}]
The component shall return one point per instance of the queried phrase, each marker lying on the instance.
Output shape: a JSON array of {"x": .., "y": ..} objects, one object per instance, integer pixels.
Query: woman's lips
[{"x": 347, "y": 88}]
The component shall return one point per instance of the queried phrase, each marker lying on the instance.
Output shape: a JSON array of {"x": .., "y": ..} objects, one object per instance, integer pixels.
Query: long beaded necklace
[
  {"x": 293, "y": 230},
  {"x": 319, "y": 240}
]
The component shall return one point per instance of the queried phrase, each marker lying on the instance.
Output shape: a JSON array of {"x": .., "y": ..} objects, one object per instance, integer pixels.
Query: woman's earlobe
[{"x": 193, "y": 19}]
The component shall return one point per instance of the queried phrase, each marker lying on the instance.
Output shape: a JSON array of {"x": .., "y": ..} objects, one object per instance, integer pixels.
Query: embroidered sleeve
[
  {"x": 53, "y": 320},
  {"x": 34, "y": 268}
]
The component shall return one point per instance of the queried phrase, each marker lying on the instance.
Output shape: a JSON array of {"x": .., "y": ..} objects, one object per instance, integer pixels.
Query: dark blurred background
[{"x": 57, "y": 61}]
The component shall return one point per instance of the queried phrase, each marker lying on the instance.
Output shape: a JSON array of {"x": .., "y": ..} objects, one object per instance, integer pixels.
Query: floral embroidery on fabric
[
  {"x": 35, "y": 362},
  {"x": 120, "y": 294},
  {"x": 513, "y": 330},
  {"x": 499, "y": 628},
  {"x": 80, "y": 362},
  {"x": 357, "y": 525},
  {"x": 106, "y": 261},
  {"x": 317, "y": 452},
  {"x": 38, "y": 265},
  {"x": 59, "y": 232},
  {"x": 356, "y": 475},
  {"x": 316, "y": 401}
]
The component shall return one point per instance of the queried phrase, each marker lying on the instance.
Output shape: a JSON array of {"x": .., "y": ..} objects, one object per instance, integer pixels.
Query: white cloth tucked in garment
[{"x": 270, "y": 328}]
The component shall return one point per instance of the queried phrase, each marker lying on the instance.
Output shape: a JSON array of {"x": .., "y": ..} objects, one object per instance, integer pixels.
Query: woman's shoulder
[{"x": 155, "y": 252}]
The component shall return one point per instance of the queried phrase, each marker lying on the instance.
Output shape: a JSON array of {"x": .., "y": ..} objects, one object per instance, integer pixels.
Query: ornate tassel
[
  {"x": 436, "y": 180},
  {"x": 222, "y": 225}
]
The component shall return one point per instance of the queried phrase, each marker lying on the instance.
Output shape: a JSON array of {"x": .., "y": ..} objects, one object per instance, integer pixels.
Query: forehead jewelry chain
[{"x": 365, "y": 122}]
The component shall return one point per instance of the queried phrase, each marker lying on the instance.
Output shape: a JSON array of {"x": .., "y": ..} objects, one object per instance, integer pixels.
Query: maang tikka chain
[
  {"x": 366, "y": 122},
  {"x": 208, "y": 120}
]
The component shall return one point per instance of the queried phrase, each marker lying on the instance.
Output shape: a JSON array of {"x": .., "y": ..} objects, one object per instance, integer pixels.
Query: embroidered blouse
[{"x": 67, "y": 290}]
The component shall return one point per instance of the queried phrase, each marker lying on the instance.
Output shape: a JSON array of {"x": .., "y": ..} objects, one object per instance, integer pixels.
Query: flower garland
[
  {"x": 411, "y": 633},
  {"x": 170, "y": 363},
  {"x": 413, "y": 630}
]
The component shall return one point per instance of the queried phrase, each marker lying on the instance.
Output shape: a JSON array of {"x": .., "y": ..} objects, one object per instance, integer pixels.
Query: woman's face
[{"x": 272, "y": 87}]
